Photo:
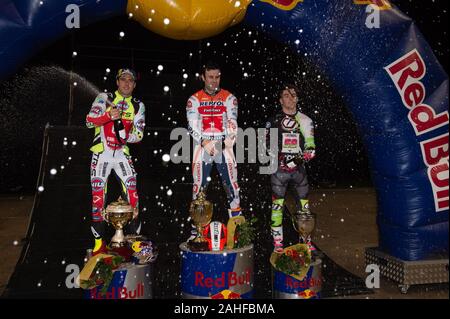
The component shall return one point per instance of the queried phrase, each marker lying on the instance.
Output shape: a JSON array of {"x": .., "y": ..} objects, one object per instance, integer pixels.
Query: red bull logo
[
  {"x": 226, "y": 280},
  {"x": 307, "y": 283},
  {"x": 307, "y": 294},
  {"x": 286, "y": 5},
  {"x": 226, "y": 294},
  {"x": 407, "y": 73},
  {"x": 119, "y": 293},
  {"x": 217, "y": 276},
  {"x": 379, "y": 4}
]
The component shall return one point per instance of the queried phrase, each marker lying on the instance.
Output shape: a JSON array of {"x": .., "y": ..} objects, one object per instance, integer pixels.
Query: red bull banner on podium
[
  {"x": 288, "y": 287},
  {"x": 224, "y": 274}
]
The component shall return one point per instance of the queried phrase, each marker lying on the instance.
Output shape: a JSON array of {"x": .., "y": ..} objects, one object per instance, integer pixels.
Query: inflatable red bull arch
[{"x": 389, "y": 77}]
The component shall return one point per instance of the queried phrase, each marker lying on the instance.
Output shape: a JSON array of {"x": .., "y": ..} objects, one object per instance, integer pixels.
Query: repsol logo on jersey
[
  {"x": 212, "y": 103},
  {"x": 97, "y": 184},
  {"x": 130, "y": 184}
]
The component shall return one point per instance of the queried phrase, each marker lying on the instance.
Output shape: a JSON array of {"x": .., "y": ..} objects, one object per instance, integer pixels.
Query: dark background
[{"x": 39, "y": 93}]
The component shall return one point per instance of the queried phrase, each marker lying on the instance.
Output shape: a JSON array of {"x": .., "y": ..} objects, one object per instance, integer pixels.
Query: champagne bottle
[
  {"x": 294, "y": 160},
  {"x": 119, "y": 129}
]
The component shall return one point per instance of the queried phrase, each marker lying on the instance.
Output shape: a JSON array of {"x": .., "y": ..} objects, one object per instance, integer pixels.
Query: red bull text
[{"x": 407, "y": 74}]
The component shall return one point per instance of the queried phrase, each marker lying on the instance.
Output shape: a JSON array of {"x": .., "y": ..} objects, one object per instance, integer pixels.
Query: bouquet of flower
[
  {"x": 245, "y": 233},
  {"x": 294, "y": 261},
  {"x": 99, "y": 271}
]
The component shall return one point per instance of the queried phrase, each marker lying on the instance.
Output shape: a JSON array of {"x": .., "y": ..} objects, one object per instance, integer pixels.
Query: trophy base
[
  {"x": 198, "y": 246},
  {"x": 118, "y": 240},
  {"x": 117, "y": 244}
]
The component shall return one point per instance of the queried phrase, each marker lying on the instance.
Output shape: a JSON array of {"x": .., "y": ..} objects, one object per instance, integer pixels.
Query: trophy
[
  {"x": 201, "y": 212},
  {"x": 304, "y": 224},
  {"x": 118, "y": 214}
]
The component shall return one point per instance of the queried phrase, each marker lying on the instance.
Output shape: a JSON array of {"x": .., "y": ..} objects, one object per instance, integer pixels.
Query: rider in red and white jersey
[
  {"x": 110, "y": 151},
  {"x": 212, "y": 120}
]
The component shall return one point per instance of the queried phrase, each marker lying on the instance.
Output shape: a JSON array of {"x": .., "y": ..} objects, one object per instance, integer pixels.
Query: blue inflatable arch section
[
  {"x": 389, "y": 77},
  {"x": 26, "y": 26}
]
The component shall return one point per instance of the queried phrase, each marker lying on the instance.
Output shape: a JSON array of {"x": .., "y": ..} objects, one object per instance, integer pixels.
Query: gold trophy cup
[
  {"x": 118, "y": 214},
  {"x": 304, "y": 225},
  {"x": 201, "y": 212}
]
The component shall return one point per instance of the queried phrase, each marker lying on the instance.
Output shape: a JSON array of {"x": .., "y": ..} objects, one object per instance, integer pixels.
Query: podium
[
  {"x": 288, "y": 287},
  {"x": 226, "y": 274}
]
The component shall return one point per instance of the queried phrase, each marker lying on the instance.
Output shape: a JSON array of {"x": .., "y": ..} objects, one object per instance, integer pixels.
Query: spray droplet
[{"x": 166, "y": 157}]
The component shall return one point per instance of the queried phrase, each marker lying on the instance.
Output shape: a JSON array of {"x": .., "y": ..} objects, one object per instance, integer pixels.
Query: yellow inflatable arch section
[{"x": 187, "y": 19}]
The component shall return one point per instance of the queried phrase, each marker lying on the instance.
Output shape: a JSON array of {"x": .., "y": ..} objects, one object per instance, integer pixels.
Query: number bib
[{"x": 290, "y": 143}]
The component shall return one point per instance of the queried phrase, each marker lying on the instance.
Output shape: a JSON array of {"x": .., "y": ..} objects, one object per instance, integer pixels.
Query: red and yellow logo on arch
[
  {"x": 283, "y": 4},
  {"x": 380, "y": 4}
]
